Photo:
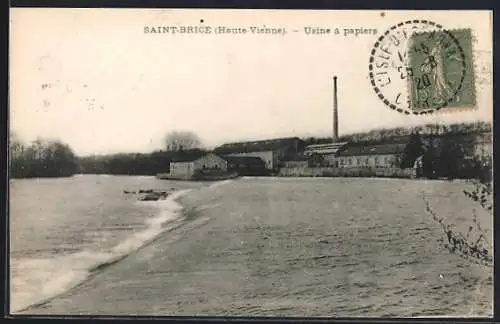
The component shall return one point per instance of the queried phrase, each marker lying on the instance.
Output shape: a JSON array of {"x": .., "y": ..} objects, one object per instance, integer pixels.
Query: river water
[{"x": 250, "y": 247}]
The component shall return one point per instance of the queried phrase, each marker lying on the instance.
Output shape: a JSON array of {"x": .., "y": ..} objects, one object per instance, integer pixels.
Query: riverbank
[{"x": 286, "y": 173}]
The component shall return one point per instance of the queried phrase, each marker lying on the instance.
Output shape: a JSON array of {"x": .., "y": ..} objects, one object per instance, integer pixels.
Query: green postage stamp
[
  {"x": 419, "y": 67},
  {"x": 442, "y": 66}
]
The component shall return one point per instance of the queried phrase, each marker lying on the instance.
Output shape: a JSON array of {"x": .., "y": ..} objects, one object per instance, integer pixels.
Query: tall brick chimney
[{"x": 335, "y": 112}]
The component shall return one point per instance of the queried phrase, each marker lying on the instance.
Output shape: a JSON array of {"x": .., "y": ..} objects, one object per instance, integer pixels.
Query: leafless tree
[
  {"x": 15, "y": 145},
  {"x": 181, "y": 140}
]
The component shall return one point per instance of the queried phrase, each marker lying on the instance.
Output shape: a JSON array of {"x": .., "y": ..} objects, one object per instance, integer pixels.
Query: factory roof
[
  {"x": 193, "y": 156},
  {"x": 378, "y": 149},
  {"x": 256, "y": 146},
  {"x": 330, "y": 148}
]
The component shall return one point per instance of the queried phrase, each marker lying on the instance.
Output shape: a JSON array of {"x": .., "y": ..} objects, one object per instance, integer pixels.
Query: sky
[{"x": 93, "y": 79}]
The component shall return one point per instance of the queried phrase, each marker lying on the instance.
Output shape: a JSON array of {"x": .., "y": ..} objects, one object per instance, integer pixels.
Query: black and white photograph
[{"x": 291, "y": 163}]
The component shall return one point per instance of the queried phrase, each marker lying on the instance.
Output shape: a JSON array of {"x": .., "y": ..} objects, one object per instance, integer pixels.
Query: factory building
[
  {"x": 272, "y": 152},
  {"x": 186, "y": 166},
  {"x": 324, "y": 153},
  {"x": 343, "y": 154},
  {"x": 478, "y": 145},
  {"x": 372, "y": 156}
]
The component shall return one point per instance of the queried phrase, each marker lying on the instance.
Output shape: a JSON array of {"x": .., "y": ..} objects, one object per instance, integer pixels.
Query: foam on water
[
  {"x": 36, "y": 280},
  {"x": 220, "y": 183}
]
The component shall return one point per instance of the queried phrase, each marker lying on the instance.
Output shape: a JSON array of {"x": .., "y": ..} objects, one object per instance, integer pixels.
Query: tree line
[
  {"x": 175, "y": 145},
  {"x": 390, "y": 134},
  {"x": 41, "y": 158},
  {"x": 443, "y": 156},
  {"x": 132, "y": 164},
  {"x": 53, "y": 158}
]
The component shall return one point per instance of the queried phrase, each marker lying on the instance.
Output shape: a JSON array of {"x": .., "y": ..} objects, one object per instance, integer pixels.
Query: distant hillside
[{"x": 401, "y": 133}]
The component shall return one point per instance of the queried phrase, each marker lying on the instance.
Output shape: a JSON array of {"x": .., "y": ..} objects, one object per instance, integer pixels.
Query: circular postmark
[{"x": 417, "y": 67}]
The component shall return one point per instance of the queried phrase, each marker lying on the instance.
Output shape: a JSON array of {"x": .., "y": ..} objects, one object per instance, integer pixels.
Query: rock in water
[
  {"x": 153, "y": 195},
  {"x": 150, "y": 197}
]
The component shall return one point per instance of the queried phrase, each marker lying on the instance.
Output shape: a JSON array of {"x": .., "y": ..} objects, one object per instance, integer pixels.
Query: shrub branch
[{"x": 472, "y": 246}]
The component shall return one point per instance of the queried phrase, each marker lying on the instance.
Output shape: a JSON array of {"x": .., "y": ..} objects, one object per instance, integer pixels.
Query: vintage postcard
[{"x": 251, "y": 163}]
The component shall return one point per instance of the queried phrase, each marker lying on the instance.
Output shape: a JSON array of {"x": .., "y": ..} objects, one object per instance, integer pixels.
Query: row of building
[
  {"x": 245, "y": 158},
  {"x": 268, "y": 156}
]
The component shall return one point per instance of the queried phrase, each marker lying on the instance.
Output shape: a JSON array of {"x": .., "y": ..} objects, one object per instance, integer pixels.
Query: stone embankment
[{"x": 346, "y": 172}]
